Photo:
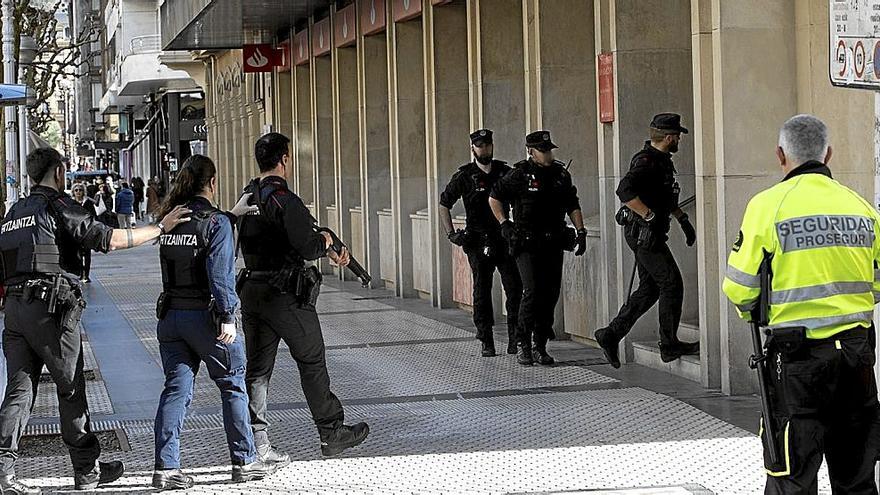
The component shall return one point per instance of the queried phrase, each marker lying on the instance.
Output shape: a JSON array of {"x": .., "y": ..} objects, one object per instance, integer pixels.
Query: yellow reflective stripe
[
  {"x": 826, "y": 321},
  {"x": 802, "y": 294},
  {"x": 787, "y": 471},
  {"x": 743, "y": 278}
]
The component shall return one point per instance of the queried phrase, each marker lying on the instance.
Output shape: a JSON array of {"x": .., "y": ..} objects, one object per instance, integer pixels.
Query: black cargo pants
[
  {"x": 483, "y": 271},
  {"x": 33, "y": 338},
  {"x": 267, "y": 317},
  {"x": 824, "y": 397},
  {"x": 659, "y": 280},
  {"x": 541, "y": 271}
]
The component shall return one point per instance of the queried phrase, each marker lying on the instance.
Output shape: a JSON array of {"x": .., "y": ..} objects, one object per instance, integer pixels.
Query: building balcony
[{"x": 142, "y": 72}]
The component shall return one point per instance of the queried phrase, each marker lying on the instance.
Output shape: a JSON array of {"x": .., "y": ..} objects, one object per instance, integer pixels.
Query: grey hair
[{"x": 804, "y": 138}]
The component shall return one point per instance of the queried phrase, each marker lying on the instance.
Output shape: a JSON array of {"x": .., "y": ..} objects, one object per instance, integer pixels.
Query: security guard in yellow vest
[{"x": 823, "y": 245}]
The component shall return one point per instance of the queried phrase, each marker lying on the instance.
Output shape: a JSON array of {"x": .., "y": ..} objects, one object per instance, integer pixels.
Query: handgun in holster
[
  {"x": 162, "y": 306},
  {"x": 308, "y": 286},
  {"x": 65, "y": 300},
  {"x": 645, "y": 236}
]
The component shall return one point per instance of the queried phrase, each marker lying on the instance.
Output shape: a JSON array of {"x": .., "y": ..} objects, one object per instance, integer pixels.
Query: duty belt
[
  {"x": 188, "y": 303},
  {"x": 32, "y": 289}
]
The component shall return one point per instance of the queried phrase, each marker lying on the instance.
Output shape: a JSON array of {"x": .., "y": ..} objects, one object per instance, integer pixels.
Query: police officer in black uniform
[
  {"x": 650, "y": 191},
  {"x": 541, "y": 192},
  {"x": 278, "y": 295},
  {"x": 40, "y": 243},
  {"x": 481, "y": 239}
]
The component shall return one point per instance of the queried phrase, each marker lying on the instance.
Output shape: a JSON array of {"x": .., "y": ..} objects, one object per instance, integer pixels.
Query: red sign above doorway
[
  {"x": 405, "y": 10},
  {"x": 372, "y": 16},
  {"x": 345, "y": 26},
  {"x": 260, "y": 58},
  {"x": 301, "y": 47},
  {"x": 321, "y": 37}
]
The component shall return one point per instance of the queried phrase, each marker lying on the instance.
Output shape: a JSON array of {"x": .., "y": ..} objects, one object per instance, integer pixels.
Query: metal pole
[
  {"x": 23, "y": 141},
  {"x": 9, "y": 111}
]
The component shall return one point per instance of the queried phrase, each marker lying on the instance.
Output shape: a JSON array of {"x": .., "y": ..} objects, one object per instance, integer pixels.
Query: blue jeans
[{"x": 187, "y": 338}]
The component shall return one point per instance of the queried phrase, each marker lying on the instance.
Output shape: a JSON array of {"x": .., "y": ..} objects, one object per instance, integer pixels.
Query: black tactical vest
[
  {"x": 183, "y": 255},
  {"x": 29, "y": 239},
  {"x": 262, "y": 238}
]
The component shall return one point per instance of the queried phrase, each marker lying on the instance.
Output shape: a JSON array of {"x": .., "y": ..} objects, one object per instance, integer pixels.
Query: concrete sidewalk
[{"x": 443, "y": 419}]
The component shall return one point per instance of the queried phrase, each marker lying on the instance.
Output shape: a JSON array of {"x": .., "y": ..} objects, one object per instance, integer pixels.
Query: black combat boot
[
  {"x": 511, "y": 346},
  {"x": 524, "y": 356},
  {"x": 671, "y": 352},
  {"x": 609, "y": 344},
  {"x": 270, "y": 455},
  {"x": 256, "y": 470},
  {"x": 540, "y": 354},
  {"x": 488, "y": 348},
  {"x": 342, "y": 438},
  {"x": 172, "y": 479},
  {"x": 102, "y": 474},
  {"x": 11, "y": 486}
]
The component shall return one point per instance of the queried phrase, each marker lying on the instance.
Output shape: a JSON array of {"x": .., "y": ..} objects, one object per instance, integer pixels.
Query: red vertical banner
[
  {"x": 405, "y": 10},
  {"x": 321, "y": 37},
  {"x": 345, "y": 26},
  {"x": 605, "y": 70},
  {"x": 301, "y": 47},
  {"x": 372, "y": 16},
  {"x": 283, "y": 51}
]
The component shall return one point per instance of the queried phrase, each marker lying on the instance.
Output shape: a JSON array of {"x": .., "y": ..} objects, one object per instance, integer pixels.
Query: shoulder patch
[{"x": 737, "y": 245}]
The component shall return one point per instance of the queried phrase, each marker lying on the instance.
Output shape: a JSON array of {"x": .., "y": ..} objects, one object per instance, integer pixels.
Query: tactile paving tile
[
  {"x": 46, "y": 403},
  {"x": 384, "y": 326},
  {"x": 420, "y": 369},
  {"x": 339, "y": 302},
  {"x": 551, "y": 442}
]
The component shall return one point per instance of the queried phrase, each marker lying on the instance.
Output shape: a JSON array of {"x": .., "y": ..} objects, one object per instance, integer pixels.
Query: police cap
[
  {"x": 540, "y": 140},
  {"x": 668, "y": 122},
  {"x": 481, "y": 137}
]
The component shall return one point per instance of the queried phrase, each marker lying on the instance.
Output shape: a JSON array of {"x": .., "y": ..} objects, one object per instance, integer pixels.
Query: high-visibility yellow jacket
[{"x": 824, "y": 240}]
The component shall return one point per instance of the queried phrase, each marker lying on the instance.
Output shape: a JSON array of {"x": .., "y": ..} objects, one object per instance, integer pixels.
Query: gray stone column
[{"x": 448, "y": 131}]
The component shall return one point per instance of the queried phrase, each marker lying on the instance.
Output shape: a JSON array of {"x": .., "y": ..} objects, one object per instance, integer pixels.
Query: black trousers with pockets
[
  {"x": 33, "y": 338},
  {"x": 825, "y": 401},
  {"x": 269, "y": 316},
  {"x": 483, "y": 270}
]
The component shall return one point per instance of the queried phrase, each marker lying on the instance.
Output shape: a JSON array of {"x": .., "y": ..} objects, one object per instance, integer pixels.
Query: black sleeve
[
  {"x": 83, "y": 227},
  {"x": 506, "y": 188},
  {"x": 572, "y": 202},
  {"x": 452, "y": 193},
  {"x": 298, "y": 224},
  {"x": 633, "y": 183}
]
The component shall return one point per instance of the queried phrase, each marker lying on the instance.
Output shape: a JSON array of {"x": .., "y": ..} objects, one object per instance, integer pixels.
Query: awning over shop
[{"x": 224, "y": 24}]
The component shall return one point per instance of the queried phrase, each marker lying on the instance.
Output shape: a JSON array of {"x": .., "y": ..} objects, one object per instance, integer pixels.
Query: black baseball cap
[
  {"x": 540, "y": 140},
  {"x": 669, "y": 122}
]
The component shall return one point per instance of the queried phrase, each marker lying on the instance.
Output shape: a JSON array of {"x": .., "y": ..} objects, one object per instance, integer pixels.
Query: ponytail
[{"x": 194, "y": 176}]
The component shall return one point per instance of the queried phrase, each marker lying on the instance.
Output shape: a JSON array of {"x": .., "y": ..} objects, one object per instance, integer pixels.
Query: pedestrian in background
[
  {"x": 137, "y": 186},
  {"x": 152, "y": 200},
  {"x": 79, "y": 194},
  {"x": 124, "y": 206}
]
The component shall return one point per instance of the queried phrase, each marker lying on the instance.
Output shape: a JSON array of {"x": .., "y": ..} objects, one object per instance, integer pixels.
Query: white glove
[
  {"x": 227, "y": 333},
  {"x": 242, "y": 207}
]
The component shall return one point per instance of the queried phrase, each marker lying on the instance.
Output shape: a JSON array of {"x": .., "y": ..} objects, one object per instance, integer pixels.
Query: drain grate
[
  {"x": 52, "y": 445},
  {"x": 91, "y": 376}
]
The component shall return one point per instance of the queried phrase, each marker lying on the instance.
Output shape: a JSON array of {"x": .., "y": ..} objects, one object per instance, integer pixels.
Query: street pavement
[{"x": 443, "y": 419}]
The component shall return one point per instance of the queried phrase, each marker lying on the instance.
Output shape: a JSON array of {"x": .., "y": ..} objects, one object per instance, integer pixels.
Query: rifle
[
  {"x": 758, "y": 360},
  {"x": 337, "y": 246}
]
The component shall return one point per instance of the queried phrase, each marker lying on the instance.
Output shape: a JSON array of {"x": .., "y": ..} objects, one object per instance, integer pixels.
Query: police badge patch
[{"x": 739, "y": 242}]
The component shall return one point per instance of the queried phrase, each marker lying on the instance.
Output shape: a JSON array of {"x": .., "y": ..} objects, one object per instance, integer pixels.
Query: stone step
[
  {"x": 648, "y": 354},
  {"x": 689, "y": 331}
]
